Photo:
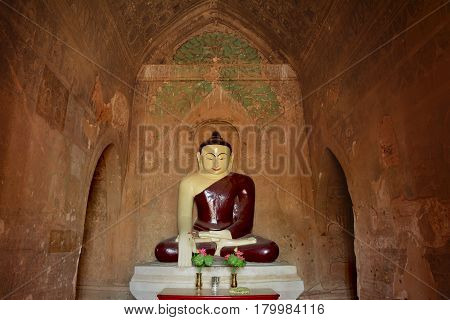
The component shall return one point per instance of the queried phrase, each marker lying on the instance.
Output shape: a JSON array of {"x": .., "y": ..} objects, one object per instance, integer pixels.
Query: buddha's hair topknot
[{"x": 216, "y": 138}]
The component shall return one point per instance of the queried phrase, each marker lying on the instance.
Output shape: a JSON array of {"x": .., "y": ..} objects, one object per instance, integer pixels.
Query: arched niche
[
  {"x": 335, "y": 227},
  {"x": 206, "y": 16},
  {"x": 101, "y": 271},
  {"x": 173, "y": 90}
]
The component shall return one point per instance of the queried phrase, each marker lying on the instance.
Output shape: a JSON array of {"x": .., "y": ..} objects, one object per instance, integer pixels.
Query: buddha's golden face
[{"x": 215, "y": 159}]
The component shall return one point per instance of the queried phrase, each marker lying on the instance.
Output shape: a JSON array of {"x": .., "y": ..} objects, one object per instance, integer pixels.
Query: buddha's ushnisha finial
[{"x": 216, "y": 138}]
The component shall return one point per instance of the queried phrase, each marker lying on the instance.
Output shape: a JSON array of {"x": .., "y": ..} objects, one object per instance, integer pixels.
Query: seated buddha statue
[{"x": 225, "y": 204}]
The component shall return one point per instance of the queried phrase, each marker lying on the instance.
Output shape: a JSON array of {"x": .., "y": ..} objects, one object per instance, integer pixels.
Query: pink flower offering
[
  {"x": 239, "y": 254},
  {"x": 227, "y": 256},
  {"x": 202, "y": 251}
]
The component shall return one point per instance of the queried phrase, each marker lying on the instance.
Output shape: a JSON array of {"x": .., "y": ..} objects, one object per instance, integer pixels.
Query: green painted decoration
[
  {"x": 178, "y": 97},
  {"x": 236, "y": 60},
  {"x": 226, "y": 48},
  {"x": 257, "y": 97}
]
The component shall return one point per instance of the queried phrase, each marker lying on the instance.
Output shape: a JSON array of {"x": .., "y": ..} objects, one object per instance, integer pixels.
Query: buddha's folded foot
[{"x": 263, "y": 250}]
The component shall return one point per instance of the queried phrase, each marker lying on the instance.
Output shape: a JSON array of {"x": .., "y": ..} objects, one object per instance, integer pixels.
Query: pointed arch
[
  {"x": 196, "y": 20},
  {"x": 335, "y": 224}
]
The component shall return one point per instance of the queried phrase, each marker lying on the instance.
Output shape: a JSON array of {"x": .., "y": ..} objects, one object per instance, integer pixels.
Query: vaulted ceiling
[
  {"x": 294, "y": 30},
  {"x": 289, "y": 26}
]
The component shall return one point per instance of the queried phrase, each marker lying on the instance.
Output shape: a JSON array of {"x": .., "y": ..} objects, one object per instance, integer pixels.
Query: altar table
[
  {"x": 152, "y": 278},
  {"x": 220, "y": 294}
]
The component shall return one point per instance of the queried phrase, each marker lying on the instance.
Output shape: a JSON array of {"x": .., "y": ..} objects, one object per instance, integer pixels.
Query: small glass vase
[
  {"x": 198, "y": 281},
  {"x": 215, "y": 284},
  {"x": 234, "y": 280}
]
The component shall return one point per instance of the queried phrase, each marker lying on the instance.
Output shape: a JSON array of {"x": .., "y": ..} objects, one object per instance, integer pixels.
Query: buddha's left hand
[
  {"x": 194, "y": 233},
  {"x": 222, "y": 234}
]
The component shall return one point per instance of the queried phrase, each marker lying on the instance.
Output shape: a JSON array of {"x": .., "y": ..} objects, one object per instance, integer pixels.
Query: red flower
[
  {"x": 227, "y": 256},
  {"x": 202, "y": 251}
]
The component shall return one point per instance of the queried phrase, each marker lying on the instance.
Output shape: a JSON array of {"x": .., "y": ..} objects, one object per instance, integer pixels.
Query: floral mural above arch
[
  {"x": 210, "y": 46},
  {"x": 218, "y": 59}
]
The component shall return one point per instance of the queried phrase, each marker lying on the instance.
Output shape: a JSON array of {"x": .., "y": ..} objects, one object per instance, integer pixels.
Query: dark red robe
[{"x": 227, "y": 204}]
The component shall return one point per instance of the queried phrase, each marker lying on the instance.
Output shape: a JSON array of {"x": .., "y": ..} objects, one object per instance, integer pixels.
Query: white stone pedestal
[{"x": 151, "y": 278}]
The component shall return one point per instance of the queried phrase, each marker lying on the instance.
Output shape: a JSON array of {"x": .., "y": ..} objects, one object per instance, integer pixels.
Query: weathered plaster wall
[
  {"x": 59, "y": 110},
  {"x": 386, "y": 119}
]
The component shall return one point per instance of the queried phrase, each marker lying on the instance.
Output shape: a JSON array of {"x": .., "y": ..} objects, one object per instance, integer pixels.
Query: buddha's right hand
[{"x": 185, "y": 250}]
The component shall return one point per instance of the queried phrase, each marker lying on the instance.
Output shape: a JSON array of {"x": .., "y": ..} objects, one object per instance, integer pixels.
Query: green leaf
[
  {"x": 209, "y": 260},
  {"x": 232, "y": 259},
  {"x": 198, "y": 260}
]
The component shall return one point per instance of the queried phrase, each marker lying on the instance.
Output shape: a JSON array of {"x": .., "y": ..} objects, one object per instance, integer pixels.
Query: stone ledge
[{"x": 151, "y": 278}]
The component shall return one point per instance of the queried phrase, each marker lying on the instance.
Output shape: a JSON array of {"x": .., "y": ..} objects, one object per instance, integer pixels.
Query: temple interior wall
[
  {"x": 385, "y": 120},
  {"x": 62, "y": 104},
  {"x": 373, "y": 89}
]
